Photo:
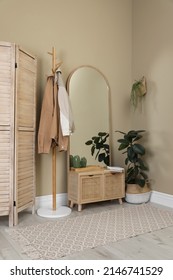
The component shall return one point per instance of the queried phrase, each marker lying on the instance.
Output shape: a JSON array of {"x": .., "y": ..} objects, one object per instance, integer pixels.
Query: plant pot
[
  {"x": 135, "y": 194},
  {"x": 76, "y": 161}
]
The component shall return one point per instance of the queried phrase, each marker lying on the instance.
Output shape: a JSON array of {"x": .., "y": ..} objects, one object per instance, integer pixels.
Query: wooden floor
[{"x": 157, "y": 245}]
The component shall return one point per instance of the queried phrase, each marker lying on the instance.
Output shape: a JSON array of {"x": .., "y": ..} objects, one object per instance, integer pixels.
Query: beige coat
[{"x": 50, "y": 132}]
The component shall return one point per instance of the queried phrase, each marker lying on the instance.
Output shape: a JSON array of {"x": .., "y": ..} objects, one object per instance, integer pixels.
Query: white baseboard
[
  {"x": 46, "y": 200},
  {"x": 162, "y": 198},
  {"x": 61, "y": 199}
]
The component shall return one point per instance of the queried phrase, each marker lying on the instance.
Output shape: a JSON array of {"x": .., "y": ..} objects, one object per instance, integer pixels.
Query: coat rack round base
[{"x": 62, "y": 211}]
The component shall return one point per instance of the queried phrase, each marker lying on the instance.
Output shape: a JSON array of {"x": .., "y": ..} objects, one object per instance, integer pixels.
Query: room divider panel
[{"x": 18, "y": 70}]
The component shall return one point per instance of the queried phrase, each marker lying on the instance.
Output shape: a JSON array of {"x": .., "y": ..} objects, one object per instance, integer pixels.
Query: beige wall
[
  {"x": 153, "y": 57},
  {"x": 101, "y": 33},
  {"x": 95, "y": 32}
]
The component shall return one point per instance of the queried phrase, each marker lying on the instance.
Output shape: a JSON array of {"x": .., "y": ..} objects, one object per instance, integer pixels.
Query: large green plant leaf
[
  {"x": 133, "y": 160},
  {"x": 145, "y": 176},
  {"x": 103, "y": 134},
  {"x": 141, "y": 130},
  {"x": 140, "y": 182},
  {"x": 138, "y": 137},
  {"x": 89, "y": 142},
  {"x": 120, "y": 132},
  {"x": 97, "y": 154},
  {"x": 99, "y": 143},
  {"x": 142, "y": 164},
  {"x": 131, "y": 154},
  {"x": 101, "y": 157},
  {"x": 121, "y": 140},
  {"x": 92, "y": 150},
  {"x": 96, "y": 139},
  {"x": 106, "y": 160},
  {"x": 123, "y": 146},
  {"x": 106, "y": 147},
  {"x": 138, "y": 149}
]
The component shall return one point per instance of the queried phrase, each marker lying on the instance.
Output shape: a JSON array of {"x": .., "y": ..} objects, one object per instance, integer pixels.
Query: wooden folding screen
[{"x": 17, "y": 130}]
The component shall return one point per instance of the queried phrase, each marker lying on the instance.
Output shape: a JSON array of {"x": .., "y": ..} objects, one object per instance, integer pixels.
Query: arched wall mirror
[{"x": 89, "y": 93}]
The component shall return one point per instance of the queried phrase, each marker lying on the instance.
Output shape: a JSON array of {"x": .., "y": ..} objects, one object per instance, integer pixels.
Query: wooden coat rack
[
  {"x": 55, "y": 66},
  {"x": 63, "y": 210}
]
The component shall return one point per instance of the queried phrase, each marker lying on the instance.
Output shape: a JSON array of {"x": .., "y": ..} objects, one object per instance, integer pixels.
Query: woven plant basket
[{"x": 135, "y": 194}]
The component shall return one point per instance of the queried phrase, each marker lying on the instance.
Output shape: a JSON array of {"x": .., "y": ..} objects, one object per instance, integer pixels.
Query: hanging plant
[{"x": 138, "y": 91}]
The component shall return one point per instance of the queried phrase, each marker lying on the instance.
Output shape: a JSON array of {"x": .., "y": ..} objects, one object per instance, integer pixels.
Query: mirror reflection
[{"x": 90, "y": 97}]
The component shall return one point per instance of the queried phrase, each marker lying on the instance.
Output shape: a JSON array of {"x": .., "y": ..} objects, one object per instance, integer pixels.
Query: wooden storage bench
[{"x": 94, "y": 186}]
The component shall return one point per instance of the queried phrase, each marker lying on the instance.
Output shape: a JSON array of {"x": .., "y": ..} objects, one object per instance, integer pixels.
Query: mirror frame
[{"x": 109, "y": 109}]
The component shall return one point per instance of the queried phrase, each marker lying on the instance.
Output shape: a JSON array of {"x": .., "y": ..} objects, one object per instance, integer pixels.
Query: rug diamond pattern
[{"x": 65, "y": 236}]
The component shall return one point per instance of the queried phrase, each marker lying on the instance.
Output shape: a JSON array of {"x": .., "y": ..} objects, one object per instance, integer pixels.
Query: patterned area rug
[{"x": 55, "y": 239}]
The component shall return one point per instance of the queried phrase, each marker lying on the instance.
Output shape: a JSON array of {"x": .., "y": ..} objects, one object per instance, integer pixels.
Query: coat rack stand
[{"x": 61, "y": 211}]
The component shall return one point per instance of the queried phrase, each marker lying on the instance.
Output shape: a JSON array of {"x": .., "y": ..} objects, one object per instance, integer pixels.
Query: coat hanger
[{"x": 55, "y": 65}]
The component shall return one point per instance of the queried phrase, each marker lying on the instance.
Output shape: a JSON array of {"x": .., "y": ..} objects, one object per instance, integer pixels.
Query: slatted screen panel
[
  {"x": 4, "y": 172},
  {"x": 26, "y": 171},
  {"x": 7, "y": 79},
  {"x": 25, "y": 131},
  {"x": 26, "y": 91},
  {"x": 7, "y": 63}
]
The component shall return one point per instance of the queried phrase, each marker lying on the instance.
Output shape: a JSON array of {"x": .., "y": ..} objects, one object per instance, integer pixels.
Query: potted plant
[
  {"x": 138, "y": 91},
  {"x": 100, "y": 147},
  {"x": 137, "y": 183}
]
